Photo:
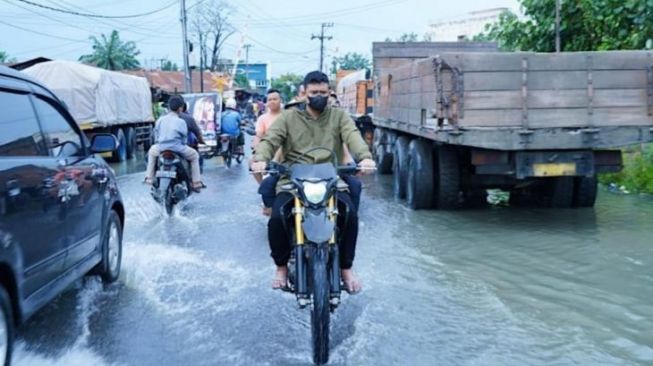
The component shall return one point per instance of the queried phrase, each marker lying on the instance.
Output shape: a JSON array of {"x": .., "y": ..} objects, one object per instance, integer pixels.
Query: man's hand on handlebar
[
  {"x": 367, "y": 166},
  {"x": 258, "y": 166}
]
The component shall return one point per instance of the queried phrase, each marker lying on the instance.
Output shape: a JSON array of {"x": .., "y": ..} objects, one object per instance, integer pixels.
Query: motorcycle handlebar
[{"x": 275, "y": 168}]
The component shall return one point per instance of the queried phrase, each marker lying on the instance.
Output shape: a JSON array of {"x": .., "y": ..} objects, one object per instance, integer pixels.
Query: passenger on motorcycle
[
  {"x": 263, "y": 125},
  {"x": 231, "y": 121},
  {"x": 298, "y": 131},
  {"x": 171, "y": 133}
]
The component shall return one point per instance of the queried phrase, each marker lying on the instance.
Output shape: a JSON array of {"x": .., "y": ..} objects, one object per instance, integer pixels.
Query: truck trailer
[
  {"x": 452, "y": 124},
  {"x": 102, "y": 101}
]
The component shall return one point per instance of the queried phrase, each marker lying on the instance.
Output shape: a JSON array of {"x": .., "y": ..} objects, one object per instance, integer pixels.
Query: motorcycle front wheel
[{"x": 320, "y": 313}]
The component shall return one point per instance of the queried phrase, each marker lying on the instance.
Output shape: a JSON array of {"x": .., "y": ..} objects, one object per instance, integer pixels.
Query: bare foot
[
  {"x": 267, "y": 211},
  {"x": 147, "y": 180},
  {"x": 352, "y": 283},
  {"x": 280, "y": 278}
]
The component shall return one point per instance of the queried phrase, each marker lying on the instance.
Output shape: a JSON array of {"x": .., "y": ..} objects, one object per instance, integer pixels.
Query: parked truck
[
  {"x": 356, "y": 96},
  {"x": 102, "y": 101},
  {"x": 450, "y": 125}
]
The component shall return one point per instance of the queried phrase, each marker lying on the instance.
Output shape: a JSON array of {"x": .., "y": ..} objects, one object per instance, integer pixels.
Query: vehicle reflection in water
[{"x": 495, "y": 286}]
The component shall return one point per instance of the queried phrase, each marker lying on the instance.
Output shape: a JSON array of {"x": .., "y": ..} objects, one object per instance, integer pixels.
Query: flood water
[{"x": 495, "y": 286}]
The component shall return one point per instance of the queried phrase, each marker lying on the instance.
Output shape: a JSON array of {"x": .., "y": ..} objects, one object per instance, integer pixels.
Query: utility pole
[
  {"x": 201, "y": 64},
  {"x": 322, "y": 37},
  {"x": 247, "y": 47},
  {"x": 187, "y": 82},
  {"x": 557, "y": 26}
]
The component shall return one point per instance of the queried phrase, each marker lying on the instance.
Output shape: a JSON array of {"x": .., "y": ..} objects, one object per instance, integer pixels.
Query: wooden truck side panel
[{"x": 527, "y": 90}]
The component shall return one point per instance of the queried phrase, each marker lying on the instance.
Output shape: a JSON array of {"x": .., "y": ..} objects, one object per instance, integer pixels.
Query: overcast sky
[{"x": 280, "y": 31}]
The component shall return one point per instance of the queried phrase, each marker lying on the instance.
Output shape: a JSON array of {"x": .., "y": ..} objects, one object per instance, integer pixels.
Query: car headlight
[{"x": 315, "y": 192}]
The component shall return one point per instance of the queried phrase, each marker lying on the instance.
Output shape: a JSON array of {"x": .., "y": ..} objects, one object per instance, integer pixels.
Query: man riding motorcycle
[
  {"x": 231, "y": 121},
  {"x": 171, "y": 133},
  {"x": 297, "y": 131}
]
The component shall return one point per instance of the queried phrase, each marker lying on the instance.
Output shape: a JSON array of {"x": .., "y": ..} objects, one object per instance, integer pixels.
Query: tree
[
  {"x": 4, "y": 58},
  {"x": 112, "y": 53},
  {"x": 287, "y": 84},
  {"x": 241, "y": 81},
  {"x": 168, "y": 65},
  {"x": 210, "y": 27},
  {"x": 408, "y": 37},
  {"x": 586, "y": 25},
  {"x": 353, "y": 61}
]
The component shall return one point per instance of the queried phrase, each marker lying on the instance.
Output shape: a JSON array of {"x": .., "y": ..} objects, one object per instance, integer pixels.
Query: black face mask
[{"x": 318, "y": 102}]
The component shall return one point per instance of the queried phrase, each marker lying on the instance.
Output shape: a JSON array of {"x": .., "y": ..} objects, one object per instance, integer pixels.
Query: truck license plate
[
  {"x": 554, "y": 169},
  {"x": 165, "y": 174}
]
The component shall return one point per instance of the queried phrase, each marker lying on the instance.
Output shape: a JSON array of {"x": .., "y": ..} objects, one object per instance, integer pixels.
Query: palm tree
[{"x": 112, "y": 53}]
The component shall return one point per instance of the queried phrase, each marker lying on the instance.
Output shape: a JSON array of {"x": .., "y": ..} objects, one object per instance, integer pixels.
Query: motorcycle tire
[
  {"x": 321, "y": 311},
  {"x": 227, "y": 160}
]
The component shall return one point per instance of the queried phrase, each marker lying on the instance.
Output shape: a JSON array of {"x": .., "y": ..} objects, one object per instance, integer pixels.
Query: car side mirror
[{"x": 103, "y": 142}]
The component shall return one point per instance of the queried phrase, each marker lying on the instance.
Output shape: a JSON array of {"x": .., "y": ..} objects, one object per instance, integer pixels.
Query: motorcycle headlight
[{"x": 315, "y": 192}]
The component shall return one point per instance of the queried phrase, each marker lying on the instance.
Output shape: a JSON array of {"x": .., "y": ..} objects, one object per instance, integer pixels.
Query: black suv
[{"x": 61, "y": 216}]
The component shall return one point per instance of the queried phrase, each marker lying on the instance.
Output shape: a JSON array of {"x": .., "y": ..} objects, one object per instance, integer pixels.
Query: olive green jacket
[{"x": 297, "y": 133}]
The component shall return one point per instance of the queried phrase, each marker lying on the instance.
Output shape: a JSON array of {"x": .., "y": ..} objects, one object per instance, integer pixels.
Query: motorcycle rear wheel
[{"x": 320, "y": 313}]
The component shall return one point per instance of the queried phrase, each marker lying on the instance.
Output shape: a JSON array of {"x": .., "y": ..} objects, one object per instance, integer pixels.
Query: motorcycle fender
[{"x": 317, "y": 226}]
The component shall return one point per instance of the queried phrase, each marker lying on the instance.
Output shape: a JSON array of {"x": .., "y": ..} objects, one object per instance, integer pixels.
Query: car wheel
[
  {"x": 109, "y": 268},
  {"x": 6, "y": 328}
]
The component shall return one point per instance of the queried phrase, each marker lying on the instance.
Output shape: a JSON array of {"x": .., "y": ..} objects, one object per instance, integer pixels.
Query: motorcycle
[
  {"x": 229, "y": 150},
  {"x": 172, "y": 183},
  {"x": 314, "y": 266}
]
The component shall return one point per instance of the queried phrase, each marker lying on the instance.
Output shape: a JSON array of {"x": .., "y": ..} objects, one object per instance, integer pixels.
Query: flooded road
[{"x": 497, "y": 286}]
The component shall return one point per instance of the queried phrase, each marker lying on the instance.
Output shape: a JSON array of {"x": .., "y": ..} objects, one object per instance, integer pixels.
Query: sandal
[
  {"x": 280, "y": 280},
  {"x": 197, "y": 187}
]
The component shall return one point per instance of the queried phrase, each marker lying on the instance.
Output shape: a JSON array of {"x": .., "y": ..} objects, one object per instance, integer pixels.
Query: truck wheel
[
  {"x": 382, "y": 157},
  {"x": 6, "y": 328},
  {"x": 130, "y": 135},
  {"x": 400, "y": 167},
  {"x": 561, "y": 191},
  {"x": 419, "y": 188},
  {"x": 447, "y": 187},
  {"x": 120, "y": 154},
  {"x": 584, "y": 191}
]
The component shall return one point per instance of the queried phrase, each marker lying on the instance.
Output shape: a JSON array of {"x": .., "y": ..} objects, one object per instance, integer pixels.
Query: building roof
[{"x": 173, "y": 81}]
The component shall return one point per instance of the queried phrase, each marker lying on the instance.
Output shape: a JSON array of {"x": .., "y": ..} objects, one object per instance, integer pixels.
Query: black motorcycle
[
  {"x": 314, "y": 266},
  {"x": 172, "y": 183},
  {"x": 229, "y": 150}
]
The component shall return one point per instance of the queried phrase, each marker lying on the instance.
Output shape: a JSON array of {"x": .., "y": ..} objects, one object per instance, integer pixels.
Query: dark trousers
[
  {"x": 281, "y": 221},
  {"x": 268, "y": 190}
]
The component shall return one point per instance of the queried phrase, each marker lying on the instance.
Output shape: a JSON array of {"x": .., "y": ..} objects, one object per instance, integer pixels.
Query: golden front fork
[
  {"x": 332, "y": 217},
  {"x": 299, "y": 232}
]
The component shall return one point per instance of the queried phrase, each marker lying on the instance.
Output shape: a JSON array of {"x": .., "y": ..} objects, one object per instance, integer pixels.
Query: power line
[
  {"x": 96, "y": 15},
  {"x": 43, "y": 34}
]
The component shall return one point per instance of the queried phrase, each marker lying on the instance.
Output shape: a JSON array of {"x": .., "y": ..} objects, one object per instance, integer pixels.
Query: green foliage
[
  {"x": 353, "y": 61},
  {"x": 4, "y": 57},
  {"x": 168, "y": 65},
  {"x": 637, "y": 174},
  {"x": 408, "y": 37},
  {"x": 112, "y": 53},
  {"x": 288, "y": 84},
  {"x": 585, "y": 25},
  {"x": 241, "y": 81}
]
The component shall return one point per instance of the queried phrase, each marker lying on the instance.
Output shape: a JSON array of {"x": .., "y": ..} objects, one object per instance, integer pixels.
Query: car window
[
  {"x": 20, "y": 134},
  {"x": 60, "y": 138}
]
